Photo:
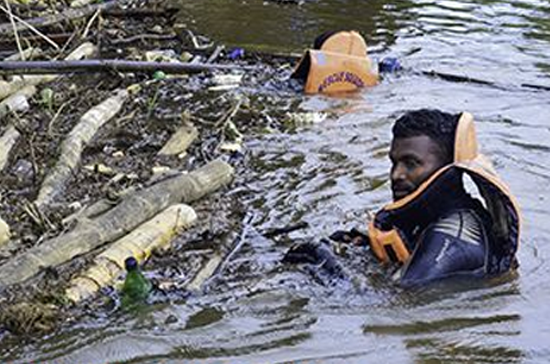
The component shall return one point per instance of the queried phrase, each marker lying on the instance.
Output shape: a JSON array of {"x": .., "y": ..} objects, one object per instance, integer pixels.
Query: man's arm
[{"x": 454, "y": 246}]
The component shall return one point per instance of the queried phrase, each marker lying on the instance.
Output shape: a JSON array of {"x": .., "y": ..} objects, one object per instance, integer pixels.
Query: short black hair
[
  {"x": 322, "y": 38},
  {"x": 440, "y": 126}
]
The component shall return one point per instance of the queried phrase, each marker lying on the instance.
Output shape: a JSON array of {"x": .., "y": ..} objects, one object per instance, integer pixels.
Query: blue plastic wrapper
[
  {"x": 389, "y": 65},
  {"x": 236, "y": 53}
]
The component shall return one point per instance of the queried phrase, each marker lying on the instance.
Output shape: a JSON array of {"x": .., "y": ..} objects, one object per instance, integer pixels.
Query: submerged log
[
  {"x": 205, "y": 273},
  {"x": 153, "y": 234},
  {"x": 129, "y": 213},
  {"x": 108, "y": 65},
  {"x": 8, "y": 88},
  {"x": 72, "y": 147},
  {"x": 216, "y": 264}
]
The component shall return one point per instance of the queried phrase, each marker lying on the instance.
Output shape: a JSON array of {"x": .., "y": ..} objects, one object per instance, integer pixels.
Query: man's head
[{"x": 423, "y": 142}]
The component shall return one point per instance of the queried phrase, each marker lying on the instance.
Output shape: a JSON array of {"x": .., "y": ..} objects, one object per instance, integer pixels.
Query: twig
[
  {"x": 536, "y": 87},
  {"x": 202, "y": 121},
  {"x": 71, "y": 38},
  {"x": 33, "y": 158},
  {"x": 457, "y": 78},
  {"x": 270, "y": 233},
  {"x": 57, "y": 113},
  {"x": 31, "y": 28},
  {"x": 32, "y": 214},
  {"x": 38, "y": 217},
  {"x": 102, "y": 65},
  {"x": 196, "y": 43},
  {"x": 215, "y": 54},
  {"x": 15, "y": 32},
  {"x": 143, "y": 37},
  {"x": 239, "y": 242},
  {"x": 92, "y": 19},
  {"x": 466, "y": 79},
  {"x": 228, "y": 116},
  {"x": 227, "y": 119},
  {"x": 122, "y": 121},
  {"x": 139, "y": 12}
]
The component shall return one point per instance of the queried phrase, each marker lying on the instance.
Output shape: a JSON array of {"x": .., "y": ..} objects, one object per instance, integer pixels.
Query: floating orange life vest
[
  {"x": 388, "y": 245},
  {"x": 341, "y": 64}
]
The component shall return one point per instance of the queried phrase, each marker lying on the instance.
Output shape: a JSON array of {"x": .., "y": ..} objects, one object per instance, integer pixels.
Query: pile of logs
[{"x": 144, "y": 219}]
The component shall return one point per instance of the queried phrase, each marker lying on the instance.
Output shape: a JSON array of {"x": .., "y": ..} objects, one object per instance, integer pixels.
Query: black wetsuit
[{"x": 447, "y": 232}]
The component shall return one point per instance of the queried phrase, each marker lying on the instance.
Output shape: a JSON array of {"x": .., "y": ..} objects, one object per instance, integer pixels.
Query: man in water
[
  {"x": 434, "y": 229},
  {"x": 445, "y": 231}
]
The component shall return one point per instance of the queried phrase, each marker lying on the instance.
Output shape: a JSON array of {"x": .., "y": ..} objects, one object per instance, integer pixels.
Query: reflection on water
[{"x": 330, "y": 174}]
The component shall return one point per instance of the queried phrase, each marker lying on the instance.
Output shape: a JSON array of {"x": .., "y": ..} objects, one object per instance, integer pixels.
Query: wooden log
[
  {"x": 80, "y": 3},
  {"x": 8, "y": 88},
  {"x": 153, "y": 234},
  {"x": 108, "y": 65},
  {"x": 7, "y": 141},
  {"x": 27, "y": 54},
  {"x": 129, "y": 213},
  {"x": 17, "y": 102},
  {"x": 66, "y": 15},
  {"x": 5, "y": 233},
  {"x": 180, "y": 140},
  {"x": 97, "y": 208},
  {"x": 73, "y": 145}
]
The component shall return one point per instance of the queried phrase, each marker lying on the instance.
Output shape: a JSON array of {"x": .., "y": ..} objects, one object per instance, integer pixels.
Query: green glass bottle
[{"x": 136, "y": 287}]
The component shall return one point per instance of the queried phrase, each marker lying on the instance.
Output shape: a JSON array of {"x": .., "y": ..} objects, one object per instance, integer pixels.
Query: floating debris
[{"x": 305, "y": 118}]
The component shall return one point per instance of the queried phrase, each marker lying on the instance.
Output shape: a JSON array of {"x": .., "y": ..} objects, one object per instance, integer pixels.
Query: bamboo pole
[
  {"x": 73, "y": 145},
  {"x": 116, "y": 222},
  {"x": 105, "y": 65},
  {"x": 153, "y": 234}
]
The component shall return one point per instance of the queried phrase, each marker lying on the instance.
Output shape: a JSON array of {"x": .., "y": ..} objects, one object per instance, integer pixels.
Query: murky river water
[{"x": 326, "y": 174}]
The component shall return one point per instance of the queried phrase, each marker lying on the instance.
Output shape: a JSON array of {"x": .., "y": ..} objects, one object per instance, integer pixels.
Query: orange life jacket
[
  {"x": 340, "y": 65},
  {"x": 388, "y": 245}
]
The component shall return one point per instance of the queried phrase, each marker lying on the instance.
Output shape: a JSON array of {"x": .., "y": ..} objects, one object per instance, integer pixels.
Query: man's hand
[
  {"x": 317, "y": 254},
  {"x": 352, "y": 236}
]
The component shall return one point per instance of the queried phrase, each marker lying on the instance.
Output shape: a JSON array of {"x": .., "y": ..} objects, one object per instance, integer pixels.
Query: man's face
[{"x": 413, "y": 160}]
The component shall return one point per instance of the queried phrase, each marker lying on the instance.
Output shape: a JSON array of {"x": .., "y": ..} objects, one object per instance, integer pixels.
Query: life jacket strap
[{"x": 388, "y": 246}]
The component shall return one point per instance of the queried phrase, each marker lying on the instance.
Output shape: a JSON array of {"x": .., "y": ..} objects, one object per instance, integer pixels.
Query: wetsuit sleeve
[{"x": 455, "y": 245}]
